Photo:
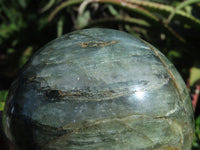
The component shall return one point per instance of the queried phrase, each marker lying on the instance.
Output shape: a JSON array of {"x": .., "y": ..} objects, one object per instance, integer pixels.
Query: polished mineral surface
[{"x": 99, "y": 89}]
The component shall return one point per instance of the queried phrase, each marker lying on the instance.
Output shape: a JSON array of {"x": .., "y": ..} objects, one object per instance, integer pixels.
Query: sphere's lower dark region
[{"x": 99, "y": 89}]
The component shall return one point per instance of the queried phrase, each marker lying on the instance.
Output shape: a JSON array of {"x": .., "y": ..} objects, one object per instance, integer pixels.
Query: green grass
[{"x": 3, "y": 96}]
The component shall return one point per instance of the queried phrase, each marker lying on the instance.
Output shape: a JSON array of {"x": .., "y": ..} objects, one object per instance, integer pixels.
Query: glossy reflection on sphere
[{"x": 99, "y": 89}]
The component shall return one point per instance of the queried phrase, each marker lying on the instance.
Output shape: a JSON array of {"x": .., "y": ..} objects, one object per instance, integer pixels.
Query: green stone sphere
[{"x": 99, "y": 89}]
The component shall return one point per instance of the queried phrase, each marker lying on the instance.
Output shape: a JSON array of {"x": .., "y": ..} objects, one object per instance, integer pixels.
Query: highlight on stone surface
[{"x": 99, "y": 89}]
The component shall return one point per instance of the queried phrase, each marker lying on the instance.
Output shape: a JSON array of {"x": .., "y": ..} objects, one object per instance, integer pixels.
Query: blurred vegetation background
[{"x": 173, "y": 26}]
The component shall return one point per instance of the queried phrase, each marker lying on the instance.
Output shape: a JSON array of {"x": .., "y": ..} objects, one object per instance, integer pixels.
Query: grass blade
[
  {"x": 47, "y": 6},
  {"x": 126, "y": 20},
  {"x": 62, "y": 6},
  {"x": 166, "y": 10},
  {"x": 180, "y": 6}
]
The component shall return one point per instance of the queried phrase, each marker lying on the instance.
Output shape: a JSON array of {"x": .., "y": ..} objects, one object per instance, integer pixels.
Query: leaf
[
  {"x": 62, "y": 6},
  {"x": 166, "y": 10},
  {"x": 113, "y": 11},
  {"x": 83, "y": 19},
  {"x": 2, "y": 104},
  {"x": 134, "y": 8},
  {"x": 25, "y": 56},
  {"x": 173, "y": 54},
  {"x": 197, "y": 129},
  {"x": 83, "y": 6},
  {"x": 194, "y": 75},
  {"x": 47, "y": 6},
  {"x": 144, "y": 13},
  {"x": 119, "y": 20},
  {"x": 3, "y": 95},
  {"x": 22, "y": 3},
  {"x": 60, "y": 27},
  {"x": 10, "y": 50}
]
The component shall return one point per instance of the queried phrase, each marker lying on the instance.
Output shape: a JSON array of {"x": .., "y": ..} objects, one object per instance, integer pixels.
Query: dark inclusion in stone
[{"x": 99, "y": 89}]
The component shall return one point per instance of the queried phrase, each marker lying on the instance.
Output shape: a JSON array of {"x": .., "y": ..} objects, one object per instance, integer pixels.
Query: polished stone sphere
[{"x": 99, "y": 89}]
